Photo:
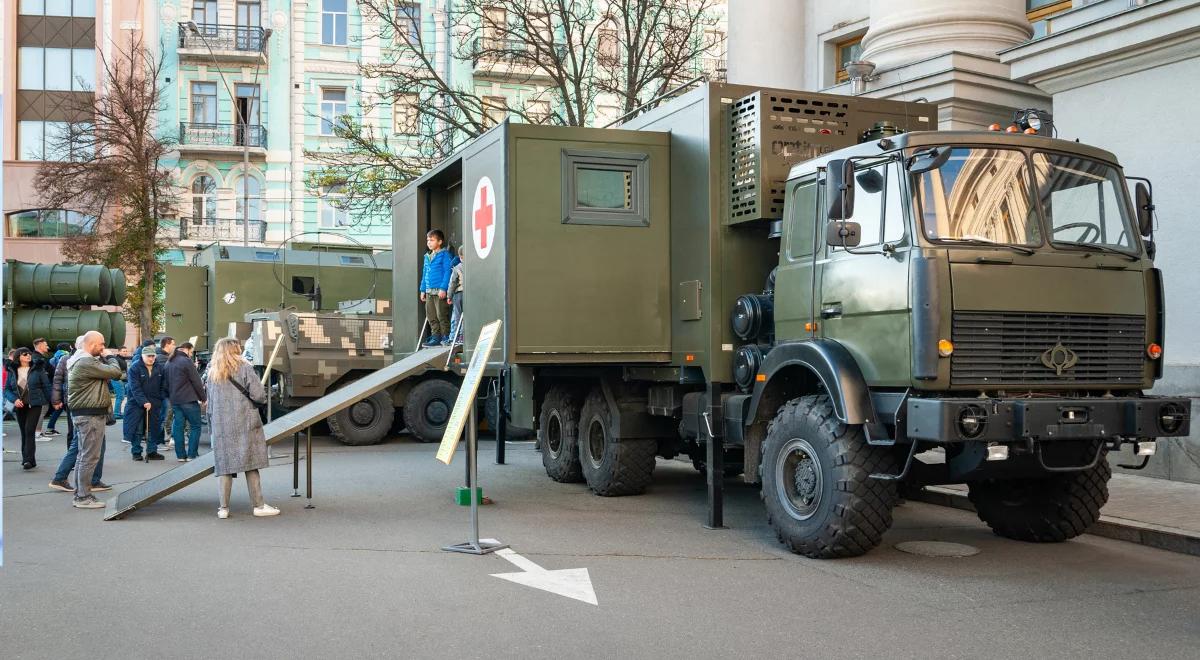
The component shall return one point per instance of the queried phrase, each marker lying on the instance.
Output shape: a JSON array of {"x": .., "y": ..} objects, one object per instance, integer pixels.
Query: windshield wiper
[
  {"x": 979, "y": 241},
  {"x": 1082, "y": 247}
]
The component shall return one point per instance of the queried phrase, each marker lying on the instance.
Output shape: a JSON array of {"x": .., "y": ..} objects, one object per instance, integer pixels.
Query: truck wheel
[
  {"x": 612, "y": 467},
  {"x": 816, "y": 483},
  {"x": 491, "y": 409},
  {"x": 364, "y": 423},
  {"x": 428, "y": 407},
  {"x": 558, "y": 431},
  {"x": 1048, "y": 510}
]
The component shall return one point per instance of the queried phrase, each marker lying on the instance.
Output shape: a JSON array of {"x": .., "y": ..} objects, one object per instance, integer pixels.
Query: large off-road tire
[
  {"x": 1044, "y": 510},
  {"x": 612, "y": 467},
  {"x": 427, "y": 409},
  {"x": 364, "y": 423},
  {"x": 816, "y": 483},
  {"x": 558, "y": 435},
  {"x": 491, "y": 408}
]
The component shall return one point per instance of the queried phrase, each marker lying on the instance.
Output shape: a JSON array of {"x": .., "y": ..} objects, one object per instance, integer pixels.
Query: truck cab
[{"x": 988, "y": 296}]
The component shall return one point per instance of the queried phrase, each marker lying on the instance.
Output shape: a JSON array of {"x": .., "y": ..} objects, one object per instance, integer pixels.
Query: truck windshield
[
  {"x": 979, "y": 195},
  {"x": 1081, "y": 202}
]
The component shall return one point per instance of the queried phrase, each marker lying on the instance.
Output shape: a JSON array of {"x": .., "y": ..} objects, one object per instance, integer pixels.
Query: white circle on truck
[{"x": 483, "y": 218}]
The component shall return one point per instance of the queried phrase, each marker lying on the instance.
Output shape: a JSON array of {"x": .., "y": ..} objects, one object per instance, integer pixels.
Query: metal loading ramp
[{"x": 152, "y": 490}]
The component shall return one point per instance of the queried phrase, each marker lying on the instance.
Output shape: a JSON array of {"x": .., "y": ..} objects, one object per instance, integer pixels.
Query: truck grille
[{"x": 1000, "y": 348}]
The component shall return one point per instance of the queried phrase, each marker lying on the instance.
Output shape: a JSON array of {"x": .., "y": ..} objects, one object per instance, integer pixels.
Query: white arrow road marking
[{"x": 570, "y": 582}]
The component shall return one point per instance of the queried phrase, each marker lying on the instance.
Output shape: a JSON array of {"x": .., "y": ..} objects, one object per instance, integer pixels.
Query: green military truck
[
  {"x": 225, "y": 282},
  {"x": 820, "y": 292}
]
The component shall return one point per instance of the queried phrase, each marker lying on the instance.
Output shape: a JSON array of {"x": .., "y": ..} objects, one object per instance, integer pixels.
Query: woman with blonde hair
[{"x": 238, "y": 442}]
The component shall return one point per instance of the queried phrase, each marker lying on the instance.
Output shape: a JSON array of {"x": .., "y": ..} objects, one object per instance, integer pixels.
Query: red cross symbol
[{"x": 483, "y": 218}]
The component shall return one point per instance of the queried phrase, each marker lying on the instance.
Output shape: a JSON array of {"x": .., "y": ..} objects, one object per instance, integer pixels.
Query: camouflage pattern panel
[{"x": 323, "y": 349}]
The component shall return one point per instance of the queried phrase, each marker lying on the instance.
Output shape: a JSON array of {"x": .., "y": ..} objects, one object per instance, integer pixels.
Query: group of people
[{"x": 161, "y": 381}]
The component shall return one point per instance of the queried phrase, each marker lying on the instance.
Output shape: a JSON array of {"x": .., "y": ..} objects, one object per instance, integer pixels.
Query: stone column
[
  {"x": 906, "y": 31},
  {"x": 766, "y": 38}
]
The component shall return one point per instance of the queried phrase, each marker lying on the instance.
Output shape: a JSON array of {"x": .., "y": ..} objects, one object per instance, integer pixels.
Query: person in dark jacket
[
  {"x": 41, "y": 359},
  {"x": 186, "y": 393},
  {"x": 64, "y": 349},
  {"x": 147, "y": 389},
  {"x": 28, "y": 390}
]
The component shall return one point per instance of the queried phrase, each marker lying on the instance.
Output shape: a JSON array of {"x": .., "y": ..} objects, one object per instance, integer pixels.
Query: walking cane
[{"x": 146, "y": 437}]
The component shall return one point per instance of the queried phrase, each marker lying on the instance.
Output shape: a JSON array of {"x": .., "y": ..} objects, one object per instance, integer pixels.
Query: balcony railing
[
  {"x": 238, "y": 38},
  {"x": 226, "y": 230},
  {"x": 222, "y": 135},
  {"x": 494, "y": 49}
]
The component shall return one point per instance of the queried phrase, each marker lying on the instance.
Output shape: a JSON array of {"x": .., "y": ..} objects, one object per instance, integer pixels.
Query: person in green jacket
[{"x": 90, "y": 401}]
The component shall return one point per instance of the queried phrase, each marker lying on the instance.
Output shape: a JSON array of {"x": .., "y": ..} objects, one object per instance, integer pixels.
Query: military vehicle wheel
[
  {"x": 428, "y": 408},
  {"x": 491, "y": 408},
  {"x": 558, "y": 434},
  {"x": 364, "y": 423},
  {"x": 612, "y": 467},
  {"x": 1047, "y": 510},
  {"x": 816, "y": 483}
]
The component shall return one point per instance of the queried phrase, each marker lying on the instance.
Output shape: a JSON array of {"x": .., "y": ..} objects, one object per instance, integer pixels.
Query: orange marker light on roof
[
  {"x": 994, "y": 127},
  {"x": 1154, "y": 351},
  {"x": 1012, "y": 129},
  {"x": 1031, "y": 131}
]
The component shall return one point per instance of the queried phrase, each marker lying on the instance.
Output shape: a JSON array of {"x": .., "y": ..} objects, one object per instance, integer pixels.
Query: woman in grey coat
[{"x": 238, "y": 443}]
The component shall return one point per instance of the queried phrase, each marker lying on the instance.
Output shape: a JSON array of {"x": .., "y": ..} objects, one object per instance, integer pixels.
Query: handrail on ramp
[{"x": 156, "y": 488}]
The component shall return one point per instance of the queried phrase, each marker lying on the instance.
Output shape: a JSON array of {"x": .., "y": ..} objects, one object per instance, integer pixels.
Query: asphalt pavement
[{"x": 362, "y": 574}]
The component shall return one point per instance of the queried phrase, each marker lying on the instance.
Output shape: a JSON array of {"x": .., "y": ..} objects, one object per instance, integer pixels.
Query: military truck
[
  {"x": 225, "y": 282},
  {"x": 321, "y": 352},
  {"x": 822, "y": 292}
]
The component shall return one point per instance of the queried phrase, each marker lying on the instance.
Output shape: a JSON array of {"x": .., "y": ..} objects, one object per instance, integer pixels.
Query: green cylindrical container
[
  {"x": 59, "y": 284},
  {"x": 57, "y": 325},
  {"x": 116, "y": 322},
  {"x": 118, "y": 286}
]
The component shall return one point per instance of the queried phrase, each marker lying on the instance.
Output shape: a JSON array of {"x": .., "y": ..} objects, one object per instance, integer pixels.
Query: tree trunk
[{"x": 146, "y": 313}]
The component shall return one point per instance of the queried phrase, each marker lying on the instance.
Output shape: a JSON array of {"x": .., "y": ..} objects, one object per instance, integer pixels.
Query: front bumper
[{"x": 1009, "y": 420}]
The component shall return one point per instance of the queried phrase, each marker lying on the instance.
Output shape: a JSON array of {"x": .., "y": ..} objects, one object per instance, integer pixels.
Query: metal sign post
[{"x": 464, "y": 414}]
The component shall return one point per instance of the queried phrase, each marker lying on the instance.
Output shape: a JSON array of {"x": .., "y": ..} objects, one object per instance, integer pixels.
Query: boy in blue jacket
[{"x": 435, "y": 280}]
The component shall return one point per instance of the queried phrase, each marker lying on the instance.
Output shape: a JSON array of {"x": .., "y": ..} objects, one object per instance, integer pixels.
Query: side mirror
[
  {"x": 1145, "y": 209},
  {"x": 840, "y": 177},
  {"x": 928, "y": 159},
  {"x": 843, "y": 233}
]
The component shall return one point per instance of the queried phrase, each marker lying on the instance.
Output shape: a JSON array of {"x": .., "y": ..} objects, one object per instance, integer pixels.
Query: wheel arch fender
[{"x": 796, "y": 368}]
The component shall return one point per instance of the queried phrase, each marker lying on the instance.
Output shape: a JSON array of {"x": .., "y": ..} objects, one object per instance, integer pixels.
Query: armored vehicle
[
  {"x": 224, "y": 282},
  {"x": 820, "y": 292}
]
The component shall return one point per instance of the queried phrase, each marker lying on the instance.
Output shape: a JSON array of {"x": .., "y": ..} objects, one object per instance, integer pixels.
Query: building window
[
  {"x": 846, "y": 52},
  {"x": 607, "y": 46},
  {"x": 605, "y": 188},
  {"x": 333, "y": 210},
  {"x": 204, "y": 102},
  {"x": 42, "y": 140},
  {"x": 408, "y": 19},
  {"x": 495, "y": 26},
  {"x": 56, "y": 69},
  {"x": 495, "y": 109},
  {"x": 76, "y": 8},
  {"x": 1039, "y": 13},
  {"x": 204, "y": 12},
  {"x": 249, "y": 13},
  {"x": 49, "y": 223},
  {"x": 405, "y": 114},
  {"x": 333, "y": 22},
  {"x": 252, "y": 196},
  {"x": 538, "y": 111},
  {"x": 333, "y": 107},
  {"x": 204, "y": 200}
]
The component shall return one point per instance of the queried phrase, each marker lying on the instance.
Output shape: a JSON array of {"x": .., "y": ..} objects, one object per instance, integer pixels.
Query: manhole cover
[{"x": 937, "y": 549}]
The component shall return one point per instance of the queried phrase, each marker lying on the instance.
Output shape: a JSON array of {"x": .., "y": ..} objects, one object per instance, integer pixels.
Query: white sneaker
[
  {"x": 181, "y": 460},
  {"x": 265, "y": 510},
  {"x": 124, "y": 441},
  {"x": 222, "y": 513},
  {"x": 38, "y": 437}
]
